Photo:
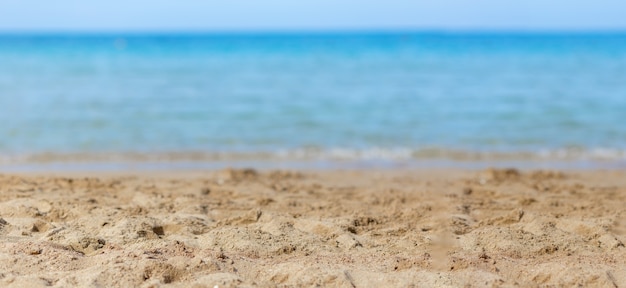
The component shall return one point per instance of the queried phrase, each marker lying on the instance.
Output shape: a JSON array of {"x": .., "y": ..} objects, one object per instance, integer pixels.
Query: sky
[{"x": 288, "y": 15}]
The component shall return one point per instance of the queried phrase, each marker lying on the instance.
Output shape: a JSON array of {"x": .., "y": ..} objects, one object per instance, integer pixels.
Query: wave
[{"x": 331, "y": 154}]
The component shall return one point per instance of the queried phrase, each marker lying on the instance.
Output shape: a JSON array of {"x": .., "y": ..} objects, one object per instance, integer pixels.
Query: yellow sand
[{"x": 333, "y": 229}]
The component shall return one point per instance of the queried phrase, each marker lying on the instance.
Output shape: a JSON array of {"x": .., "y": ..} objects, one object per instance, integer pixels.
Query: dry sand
[{"x": 334, "y": 228}]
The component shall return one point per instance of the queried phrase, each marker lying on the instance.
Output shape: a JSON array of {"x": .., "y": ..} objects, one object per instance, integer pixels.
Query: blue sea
[{"x": 331, "y": 97}]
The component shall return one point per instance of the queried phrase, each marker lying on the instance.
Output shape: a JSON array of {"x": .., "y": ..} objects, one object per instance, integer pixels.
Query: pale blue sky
[{"x": 224, "y": 15}]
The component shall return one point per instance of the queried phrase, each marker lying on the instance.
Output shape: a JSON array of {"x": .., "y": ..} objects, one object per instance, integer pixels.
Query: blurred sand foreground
[{"x": 242, "y": 228}]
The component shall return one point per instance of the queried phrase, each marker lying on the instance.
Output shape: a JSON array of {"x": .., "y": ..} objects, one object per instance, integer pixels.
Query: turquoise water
[{"x": 318, "y": 96}]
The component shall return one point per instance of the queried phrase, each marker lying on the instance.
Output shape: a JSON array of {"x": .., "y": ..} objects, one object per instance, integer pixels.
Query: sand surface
[{"x": 243, "y": 228}]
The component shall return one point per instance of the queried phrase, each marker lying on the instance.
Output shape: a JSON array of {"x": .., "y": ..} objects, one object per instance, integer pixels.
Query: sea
[{"x": 357, "y": 99}]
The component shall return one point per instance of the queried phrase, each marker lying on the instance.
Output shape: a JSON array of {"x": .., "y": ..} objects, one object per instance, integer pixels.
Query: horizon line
[{"x": 442, "y": 31}]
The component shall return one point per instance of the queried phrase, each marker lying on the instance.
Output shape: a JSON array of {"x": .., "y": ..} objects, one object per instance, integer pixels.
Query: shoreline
[
  {"x": 305, "y": 166},
  {"x": 245, "y": 228},
  {"x": 315, "y": 159}
]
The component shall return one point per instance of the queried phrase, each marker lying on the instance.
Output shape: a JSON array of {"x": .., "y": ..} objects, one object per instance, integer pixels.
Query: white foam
[{"x": 331, "y": 154}]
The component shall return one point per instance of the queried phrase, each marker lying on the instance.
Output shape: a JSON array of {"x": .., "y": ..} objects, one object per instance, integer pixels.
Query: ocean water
[{"x": 391, "y": 96}]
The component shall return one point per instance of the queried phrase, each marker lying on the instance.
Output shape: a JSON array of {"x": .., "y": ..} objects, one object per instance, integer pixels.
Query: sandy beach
[{"x": 248, "y": 228}]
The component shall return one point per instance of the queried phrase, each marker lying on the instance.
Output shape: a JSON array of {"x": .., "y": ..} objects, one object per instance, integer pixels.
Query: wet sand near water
[{"x": 367, "y": 228}]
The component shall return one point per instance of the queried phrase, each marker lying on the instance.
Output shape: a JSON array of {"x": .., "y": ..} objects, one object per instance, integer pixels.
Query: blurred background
[{"x": 371, "y": 83}]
